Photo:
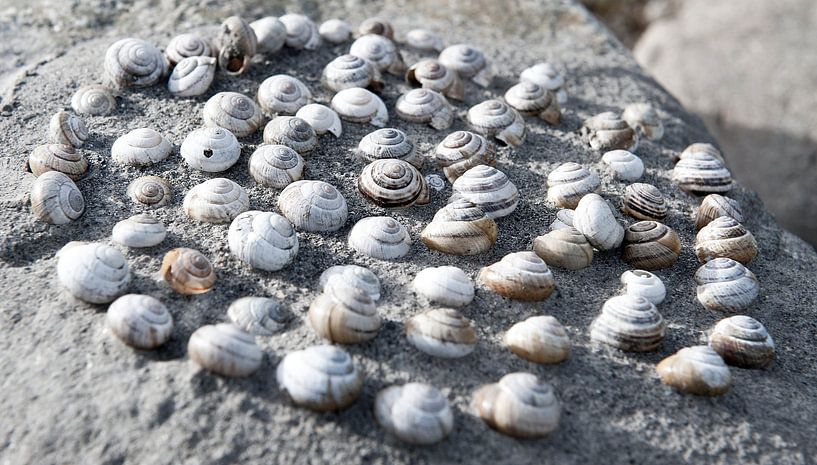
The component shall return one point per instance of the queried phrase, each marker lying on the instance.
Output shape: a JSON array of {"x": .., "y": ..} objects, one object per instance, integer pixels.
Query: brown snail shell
[
  {"x": 493, "y": 118},
  {"x": 425, "y": 106},
  {"x": 644, "y": 202},
  {"x": 380, "y": 51},
  {"x": 236, "y": 44},
  {"x": 292, "y": 132},
  {"x": 569, "y": 182},
  {"x": 187, "y": 271},
  {"x": 225, "y": 349},
  {"x": 93, "y": 100},
  {"x": 630, "y": 323},
  {"x": 443, "y": 333},
  {"x": 151, "y": 191},
  {"x": 68, "y": 129},
  {"x": 460, "y": 228},
  {"x": 607, "y": 131},
  {"x": 388, "y": 143},
  {"x": 431, "y": 74},
  {"x": 521, "y": 276},
  {"x": 234, "y": 112},
  {"x": 468, "y": 62},
  {"x": 696, "y": 370},
  {"x": 344, "y": 315},
  {"x": 564, "y": 248},
  {"x": 715, "y": 205},
  {"x": 725, "y": 237},
  {"x": 519, "y": 405},
  {"x": 643, "y": 118},
  {"x": 393, "y": 183},
  {"x": 531, "y": 99},
  {"x": 377, "y": 26},
  {"x": 650, "y": 245},
  {"x": 461, "y": 151},
  {"x": 349, "y": 71},
  {"x": 134, "y": 63},
  {"x": 742, "y": 341},
  {"x": 540, "y": 339},
  {"x": 57, "y": 157},
  {"x": 700, "y": 173},
  {"x": 726, "y": 285},
  {"x": 489, "y": 189}
]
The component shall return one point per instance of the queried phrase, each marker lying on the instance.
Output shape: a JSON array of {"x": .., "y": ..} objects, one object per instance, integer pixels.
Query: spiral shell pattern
[
  {"x": 217, "y": 200},
  {"x": 380, "y": 237},
  {"x": 92, "y": 272},
  {"x": 233, "y": 111},
  {"x": 283, "y": 95},
  {"x": 292, "y": 132},
  {"x": 192, "y": 76},
  {"x": 313, "y": 206},
  {"x": 93, "y": 100},
  {"x": 150, "y": 191},
  {"x": 141, "y": 147},
  {"x": 393, "y": 183},
  {"x": 134, "y": 63},
  {"x": 188, "y": 271},
  {"x": 496, "y": 119},
  {"x": 55, "y": 199},
  {"x": 65, "y": 128},
  {"x": 57, "y": 157},
  {"x": 263, "y": 240},
  {"x": 489, "y": 189},
  {"x": 276, "y": 166}
]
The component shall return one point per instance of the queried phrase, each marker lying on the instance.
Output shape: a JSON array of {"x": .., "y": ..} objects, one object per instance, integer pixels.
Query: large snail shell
[
  {"x": 468, "y": 62},
  {"x": 489, "y": 189},
  {"x": 645, "y": 284},
  {"x": 519, "y": 405},
  {"x": 564, "y": 219},
  {"x": 540, "y": 339},
  {"x": 187, "y": 271},
  {"x": 58, "y": 157},
  {"x": 701, "y": 147},
  {"x": 313, "y": 206},
  {"x": 442, "y": 333},
  {"x": 185, "y": 46},
  {"x": 259, "y": 316},
  {"x": 644, "y": 202},
  {"x": 564, "y": 248},
  {"x": 335, "y": 31},
  {"x": 643, "y": 118},
  {"x": 742, "y": 341},
  {"x": 393, "y": 183},
  {"x": 493, "y": 118},
  {"x": 139, "y": 231},
  {"x": 270, "y": 34},
  {"x": 263, "y": 240},
  {"x": 225, "y": 349},
  {"x": 216, "y": 200},
  {"x": 595, "y": 219},
  {"x": 276, "y": 166},
  {"x": 322, "y": 119},
  {"x": 192, "y": 76},
  {"x": 444, "y": 285},
  {"x": 233, "y": 111},
  {"x": 726, "y": 285},
  {"x": 141, "y": 147},
  {"x": 93, "y": 100},
  {"x": 360, "y": 106},
  {"x": 352, "y": 275},
  {"x": 607, "y": 131},
  {"x": 344, "y": 315},
  {"x": 236, "y": 43},
  {"x": 56, "y": 199},
  {"x": 151, "y": 191},
  {"x": 92, "y": 272},
  {"x": 700, "y": 173},
  {"x": 425, "y": 106},
  {"x": 715, "y": 205},
  {"x": 425, "y": 40},
  {"x": 140, "y": 321},
  {"x": 321, "y": 378},
  {"x": 460, "y": 228},
  {"x": 461, "y": 151},
  {"x": 302, "y": 33},
  {"x": 624, "y": 165},
  {"x": 380, "y": 51},
  {"x": 569, "y": 182},
  {"x": 431, "y": 74},
  {"x": 349, "y": 71},
  {"x": 630, "y": 323},
  {"x": 283, "y": 95},
  {"x": 68, "y": 129},
  {"x": 696, "y": 370},
  {"x": 725, "y": 237},
  {"x": 210, "y": 149},
  {"x": 388, "y": 143},
  {"x": 377, "y": 26},
  {"x": 520, "y": 276},
  {"x": 134, "y": 63},
  {"x": 415, "y": 413},
  {"x": 380, "y": 237},
  {"x": 531, "y": 99},
  {"x": 650, "y": 245},
  {"x": 292, "y": 132},
  {"x": 547, "y": 76}
]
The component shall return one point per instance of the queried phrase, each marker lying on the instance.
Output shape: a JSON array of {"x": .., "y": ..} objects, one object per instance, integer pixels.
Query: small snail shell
[
  {"x": 141, "y": 147},
  {"x": 643, "y": 118},
  {"x": 468, "y": 62},
  {"x": 93, "y": 100},
  {"x": 594, "y": 218},
  {"x": 540, "y": 339},
  {"x": 321, "y": 378},
  {"x": 624, "y": 165},
  {"x": 58, "y": 157},
  {"x": 430, "y": 74},
  {"x": 380, "y": 51},
  {"x": 276, "y": 166},
  {"x": 630, "y": 323},
  {"x": 493, "y": 118},
  {"x": 696, "y": 370},
  {"x": 460, "y": 228},
  {"x": 283, "y": 95},
  {"x": 302, "y": 33},
  {"x": 443, "y": 333},
  {"x": 644, "y": 202},
  {"x": 263, "y": 240},
  {"x": 742, "y": 341},
  {"x": 564, "y": 219},
  {"x": 192, "y": 76},
  {"x": 461, "y": 151},
  {"x": 151, "y": 191},
  {"x": 185, "y": 46},
  {"x": 233, "y": 111},
  {"x": 569, "y": 182},
  {"x": 259, "y": 316},
  {"x": 388, "y": 143},
  {"x": 236, "y": 44},
  {"x": 313, "y": 206},
  {"x": 360, "y": 106},
  {"x": 725, "y": 237},
  {"x": 225, "y": 349},
  {"x": 651, "y": 245},
  {"x": 547, "y": 76},
  {"x": 700, "y": 147},
  {"x": 489, "y": 189},
  {"x": 344, "y": 315},
  {"x": 435, "y": 182},
  {"x": 335, "y": 31},
  {"x": 444, "y": 285},
  {"x": 134, "y": 63},
  {"x": 726, "y": 285},
  {"x": 415, "y": 413},
  {"x": 715, "y": 205},
  {"x": 425, "y": 106},
  {"x": 424, "y": 40},
  {"x": 519, "y": 405},
  {"x": 55, "y": 198},
  {"x": 68, "y": 129},
  {"x": 349, "y": 71},
  {"x": 531, "y": 99},
  {"x": 139, "y": 231},
  {"x": 377, "y": 26},
  {"x": 322, "y": 119},
  {"x": 187, "y": 271},
  {"x": 393, "y": 183},
  {"x": 564, "y": 248},
  {"x": 520, "y": 276},
  {"x": 645, "y": 284},
  {"x": 216, "y": 200},
  {"x": 700, "y": 173},
  {"x": 292, "y": 132},
  {"x": 607, "y": 131},
  {"x": 140, "y": 321},
  {"x": 270, "y": 34},
  {"x": 352, "y": 275},
  {"x": 92, "y": 272},
  {"x": 210, "y": 149},
  {"x": 380, "y": 237}
]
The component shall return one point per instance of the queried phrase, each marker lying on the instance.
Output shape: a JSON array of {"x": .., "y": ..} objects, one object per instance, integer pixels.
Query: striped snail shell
[
  {"x": 321, "y": 378},
  {"x": 292, "y": 132},
  {"x": 489, "y": 189},
  {"x": 726, "y": 285},
  {"x": 644, "y": 202},
  {"x": 234, "y": 112},
  {"x": 460, "y": 228},
  {"x": 461, "y": 151},
  {"x": 742, "y": 341},
  {"x": 270, "y": 34},
  {"x": 696, "y": 370},
  {"x": 151, "y": 191},
  {"x": 444, "y": 285},
  {"x": 210, "y": 149},
  {"x": 468, "y": 62},
  {"x": 58, "y": 157},
  {"x": 377, "y": 26},
  {"x": 547, "y": 76},
  {"x": 335, "y": 31},
  {"x": 393, "y": 183},
  {"x": 302, "y": 33},
  {"x": 134, "y": 63},
  {"x": 539, "y": 339},
  {"x": 388, "y": 143},
  {"x": 283, "y": 95},
  {"x": 645, "y": 284},
  {"x": 192, "y": 76},
  {"x": 715, "y": 205},
  {"x": 216, "y": 200},
  {"x": 351, "y": 275},
  {"x": 700, "y": 173},
  {"x": 55, "y": 199},
  {"x": 595, "y": 219},
  {"x": 630, "y": 323},
  {"x": 344, "y": 315},
  {"x": 531, "y": 99},
  {"x": 187, "y": 271},
  {"x": 496, "y": 119},
  {"x": 564, "y": 219},
  {"x": 313, "y": 206},
  {"x": 607, "y": 131},
  {"x": 425, "y": 106},
  {"x": 140, "y": 321},
  {"x": 431, "y": 74},
  {"x": 276, "y": 166},
  {"x": 360, "y": 106},
  {"x": 226, "y": 350},
  {"x": 569, "y": 182},
  {"x": 435, "y": 182},
  {"x": 701, "y": 147},
  {"x": 141, "y": 147},
  {"x": 564, "y": 248},
  {"x": 725, "y": 237},
  {"x": 520, "y": 276},
  {"x": 519, "y": 405},
  {"x": 424, "y": 40},
  {"x": 380, "y": 237},
  {"x": 259, "y": 316},
  {"x": 322, "y": 119},
  {"x": 93, "y": 100},
  {"x": 236, "y": 44},
  {"x": 415, "y": 413},
  {"x": 349, "y": 71},
  {"x": 92, "y": 272},
  {"x": 68, "y": 129},
  {"x": 443, "y": 333},
  {"x": 643, "y": 118},
  {"x": 380, "y": 51},
  {"x": 263, "y": 240},
  {"x": 651, "y": 245},
  {"x": 624, "y": 165},
  {"x": 185, "y": 46},
  {"x": 141, "y": 230}
]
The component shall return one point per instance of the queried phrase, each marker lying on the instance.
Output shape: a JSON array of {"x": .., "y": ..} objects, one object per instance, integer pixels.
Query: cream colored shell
[
  {"x": 302, "y": 33},
  {"x": 443, "y": 333},
  {"x": 425, "y": 106},
  {"x": 216, "y": 200},
  {"x": 715, "y": 205},
  {"x": 292, "y": 132},
  {"x": 726, "y": 285},
  {"x": 469, "y": 62},
  {"x": 539, "y": 339},
  {"x": 425, "y": 40},
  {"x": 270, "y": 33},
  {"x": 520, "y": 276},
  {"x": 696, "y": 370},
  {"x": 547, "y": 76},
  {"x": 519, "y": 405},
  {"x": 141, "y": 230},
  {"x": 391, "y": 183},
  {"x": 415, "y": 413},
  {"x": 351, "y": 275},
  {"x": 283, "y": 95},
  {"x": 493, "y": 118},
  {"x": 134, "y": 63},
  {"x": 380, "y": 237},
  {"x": 263, "y": 240},
  {"x": 322, "y": 119},
  {"x": 276, "y": 166},
  {"x": 140, "y": 321},
  {"x": 564, "y": 219},
  {"x": 92, "y": 272},
  {"x": 742, "y": 341},
  {"x": 58, "y": 157},
  {"x": 360, "y": 106},
  {"x": 68, "y": 129},
  {"x": 569, "y": 182},
  {"x": 630, "y": 323},
  {"x": 444, "y": 285},
  {"x": 93, "y": 100},
  {"x": 595, "y": 219},
  {"x": 461, "y": 151},
  {"x": 645, "y": 284},
  {"x": 349, "y": 71},
  {"x": 192, "y": 76},
  {"x": 141, "y": 147},
  {"x": 259, "y": 316},
  {"x": 186, "y": 46},
  {"x": 233, "y": 111},
  {"x": 460, "y": 228},
  {"x": 380, "y": 51},
  {"x": 344, "y": 315},
  {"x": 55, "y": 199},
  {"x": 702, "y": 148},
  {"x": 700, "y": 173},
  {"x": 564, "y": 248},
  {"x": 210, "y": 149},
  {"x": 150, "y": 191},
  {"x": 321, "y": 378},
  {"x": 225, "y": 349},
  {"x": 643, "y": 118},
  {"x": 725, "y": 237},
  {"x": 388, "y": 143},
  {"x": 335, "y": 31},
  {"x": 489, "y": 189},
  {"x": 187, "y": 271},
  {"x": 431, "y": 74},
  {"x": 313, "y": 206},
  {"x": 607, "y": 131},
  {"x": 624, "y": 165},
  {"x": 236, "y": 44},
  {"x": 531, "y": 99}
]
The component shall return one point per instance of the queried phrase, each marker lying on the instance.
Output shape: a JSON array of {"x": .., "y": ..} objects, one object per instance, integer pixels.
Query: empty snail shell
[
  {"x": 349, "y": 71},
  {"x": 210, "y": 149},
  {"x": 151, "y": 191},
  {"x": 216, "y": 200},
  {"x": 493, "y": 118},
  {"x": 715, "y": 205},
  {"x": 643, "y": 118},
  {"x": 531, "y": 99},
  {"x": 431, "y": 74},
  {"x": 630, "y": 323},
  {"x": 313, "y": 206},
  {"x": 263, "y": 240},
  {"x": 283, "y": 95},
  {"x": 140, "y": 321},
  {"x": 380, "y": 237},
  {"x": 425, "y": 106},
  {"x": 93, "y": 100},
  {"x": 460, "y": 228},
  {"x": 134, "y": 63},
  {"x": 321, "y": 378},
  {"x": 270, "y": 34},
  {"x": 352, "y": 275},
  {"x": 435, "y": 182},
  {"x": 58, "y": 157},
  {"x": 700, "y": 147},
  {"x": 68, "y": 129},
  {"x": 302, "y": 33},
  {"x": 192, "y": 76},
  {"x": 726, "y": 285},
  {"x": 322, "y": 119},
  {"x": 185, "y": 46},
  {"x": 425, "y": 40},
  {"x": 236, "y": 44},
  {"x": 540, "y": 339},
  {"x": 607, "y": 131},
  {"x": 696, "y": 370},
  {"x": 595, "y": 219},
  {"x": 461, "y": 151},
  {"x": 233, "y": 111},
  {"x": 259, "y": 316},
  {"x": 139, "y": 231},
  {"x": 140, "y": 147},
  {"x": 725, "y": 237},
  {"x": 645, "y": 284},
  {"x": 519, "y": 405},
  {"x": 225, "y": 349},
  {"x": 335, "y": 31},
  {"x": 415, "y": 413},
  {"x": 443, "y": 333},
  {"x": 564, "y": 248},
  {"x": 187, "y": 271},
  {"x": 468, "y": 62},
  {"x": 388, "y": 143},
  {"x": 344, "y": 315},
  {"x": 644, "y": 202},
  {"x": 651, "y": 245},
  {"x": 380, "y": 51},
  {"x": 742, "y": 341},
  {"x": 292, "y": 132},
  {"x": 377, "y": 26},
  {"x": 521, "y": 276},
  {"x": 569, "y": 182},
  {"x": 393, "y": 183},
  {"x": 55, "y": 198},
  {"x": 624, "y": 165},
  {"x": 489, "y": 189},
  {"x": 444, "y": 285},
  {"x": 276, "y": 166},
  {"x": 92, "y": 272},
  {"x": 547, "y": 76},
  {"x": 700, "y": 173},
  {"x": 564, "y": 219},
  {"x": 360, "y": 106}
]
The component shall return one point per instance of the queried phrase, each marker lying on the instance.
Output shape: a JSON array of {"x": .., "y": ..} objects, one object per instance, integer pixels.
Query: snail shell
[
  {"x": 519, "y": 405},
  {"x": 539, "y": 339},
  {"x": 700, "y": 147},
  {"x": 139, "y": 231},
  {"x": 352, "y": 275},
  {"x": 696, "y": 370},
  {"x": 134, "y": 63},
  {"x": 431, "y": 74},
  {"x": 415, "y": 413},
  {"x": 531, "y": 99},
  {"x": 569, "y": 182},
  {"x": 141, "y": 147},
  {"x": 335, "y": 31},
  {"x": 263, "y": 240},
  {"x": 644, "y": 202},
  {"x": 460, "y": 228},
  {"x": 725, "y": 237},
  {"x": 380, "y": 51},
  {"x": 210, "y": 149},
  {"x": 651, "y": 245},
  {"x": 742, "y": 341},
  {"x": 435, "y": 182},
  {"x": 630, "y": 323},
  {"x": 192, "y": 76},
  {"x": 92, "y": 272},
  {"x": 360, "y": 106},
  {"x": 270, "y": 34},
  {"x": 380, "y": 237},
  {"x": 377, "y": 26},
  {"x": 313, "y": 206},
  {"x": 715, "y": 205},
  {"x": 643, "y": 118},
  {"x": 564, "y": 219},
  {"x": 388, "y": 143},
  {"x": 276, "y": 166},
  {"x": 726, "y": 285},
  {"x": 493, "y": 118},
  {"x": 233, "y": 111},
  {"x": 140, "y": 321},
  {"x": 302, "y": 33},
  {"x": 461, "y": 151},
  {"x": 547, "y": 76},
  {"x": 236, "y": 44},
  {"x": 489, "y": 189},
  {"x": 322, "y": 119},
  {"x": 520, "y": 276},
  {"x": 283, "y": 95},
  {"x": 185, "y": 46},
  {"x": 344, "y": 315},
  {"x": 594, "y": 218},
  {"x": 444, "y": 285},
  {"x": 425, "y": 40},
  {"x": 645, "y": 284},
  {"x": 393, "y": 183},
  {"x": 468, "y": 62},
  {"x": 321, "y": 378},
  {"x": 65, "y": 128},
  {"x": 292, "y": 132},
  {"x": 443, "y": 333},
  {"x": 187, "y": 271},
  {"x": 425, "y": 106},
  {"x": 607, "y": 131},
  {"x": 349, "y": 71},
  {"x": 55, "y": 198},
  {"x": 225, "y": 349},
  {"x": 216, "y": 200},
  {"x": 58, "y": 157},
  {"x": 151, "y": 191},
  {"x": 564, "y": 248},
  {"x": 700, "y": 173},
  {"x": 259, "y": 316},
  {"x": 624, "y": 165},
  {"x": 93, "y": 100}
]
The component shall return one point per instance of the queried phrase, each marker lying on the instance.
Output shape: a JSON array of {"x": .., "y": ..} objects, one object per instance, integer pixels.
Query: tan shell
[
  {"x": 607, "y": 131},
  {"x": 65, "y": 128},
  {"x": 377, "y": 26},
  {"x": 725, "y": 237},
  {"x": 715, "y": 205},
  {"x": 151, "y": 191},
  {"x": 313, "y": 206},
  {"x": 263, "y": 240},
  {"x": 185, "y": 46},
  {"x": 696, "y": 370},
  {"x": 564, "y": 219},
  {"x": 216, "y": 200},
  {"x": 187, "y": 271},
  {"x": 55, "y": 199},
  {"x": 644, "y": 202},
  {"x": 726, "y": 285},
  {"x": 489, "y": 189},
  {"x": 624, "y": 165},
  {"x": 742, "y": 341},
  {"x": 322, "y": 119},
  {"x": 276, "y": 166},
  {"x": 270, "y": 33},
  {"x": 460, "y": 228},
  {"x": 302, "y": 33},
  {"x": 521, "y": 276},
  {"x": 493, "y": 118},
  {"x": 210, "y": 149},
  {"x": 630, "y": 323},
  {"x": 431, "y": 74},
  {"x": 139, "y": 231},
  {"x": 92, "y": 272},
  {"x": 461, "y": 151},
  {"x": 569, "y": 182},
  {"x": 292, "y": 132},
  {"x": 380, "y": 51},
  {"x": 425, "y": 106},
  {"x": 444, "y": 285},
  {"x": 468, "y": 62},
  {"x": 595, "y": 219},
  {"x": 283, "y": 95},
  {"x": 93, "y": 100},
  {"x": 539, "y": 339},
  {"x": 393, "y": 183},
  {"x": 415, "y": 413},
  {"x": 321, "y": 378},
  {"x": 140, "y": 321},
  {"x": 424, "y": 40},
  {"x": 519, "y": 405},
  {"x": 645, "y": 284},
  {"x": 700, "y": 147},
  {"x": 225, "y": 349},
  {"x": 547, "y": 76},
  {"x": 564, "y": 248},
  {"x": 57, "y": 157},
  {"x": 134, "y": 63},
  {"x": 351, "y": 275},
  {"x": 236, "y": 44},
  {"x": 643, "y": 118},
  {"x": 700, "y": 173},
  {"x": 335, "y": 31},
  {"x": 360, "y": 106},
  {"x": 380, "y": 237},
  {"x": 192, "y": 76},
  {"x": 259, "y": 316},
  {"x": 344, "y": 315},
  {"x": 388, "y": 143},
  {"x": 650, "y": 245},
  {"x": 443, "y": 333},
  {"x": 349, "y": 71},
  {"x": 233, "y": 111},
  {"x": 531, "y": 99},
  {"x": 141, "y": 147}
]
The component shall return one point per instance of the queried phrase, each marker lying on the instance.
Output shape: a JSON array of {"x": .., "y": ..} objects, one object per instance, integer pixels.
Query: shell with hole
[
  {"x": 349, "y": 71},
  {"x": 415, "y": 413},
  {"x": 236, "y": 43},
  {"x": 358, "y": 105},
  {"x": 496, "y": 119},
  {"x": 263, "y": 240},
  {"x": 187, "y": 271},
  {"x": 547, "y": 76},
  {"x": 714, "y": 206},
  {"x": 461, "y": 151},
  {"x": 92, "y": 272},
  {"x": 270, "y": 34},
  {"x": 594, "y": 218},
  {"x": 725, "y": 237},
  {"x": 141, "y": 230},
  {"x": 313, "y": 206},
  {"x": 134, "y": 63},
  {"x": 650, "y": 245},
  {"x": 519, "y": 405},
  {"x": 469, "y": 62},
  {"x": 322, "y": 119},
  {"x": 645, "y": 284},
  {"x": 380, "y": 51},
  {"x": 388, "y": 143},
  {"x": 68, "y": 129},
  {"x": 442, "y": 332},
  {"x": 276, "y": 166},
  {"x": 531, "y": 99},
  {"x": 216, "y": 200},
  {"x": 726, "y": 285},
  {"x": 186, "y": 46},
  {"x": 431, "y": 74},
  {"x": 60, "y": 158},
  {"x": 335, "y": 31},
  {"x": 425, "y": 106},
  {"x": 292, "y": 132},
  {"x": 259, "y": 316},
  {"x": 226, "y": 350},
  {"x": 520, "y": 276},
  {"x": 644, "y": 202},
  {"x": 539, "y": 339},
  {"x": 607, "y": 131},
  {"x": 700, "y": 173},
  {"x": 569, "y": 182},
  {"x": 94, "y": 100},
  {"x": 210, "y": 149},
  {"x": 150, "y": 191},
  {"x": 351, "y": 275},
  {"x": 444, "y": 285},
  {"x": 380, "y": 237},
  {"x": 141, "y": 147},
  {"x": 235, "y": 112},
  {"x": 564, "y": 248},
  {"x": 391, "y": 183},
  {"x": 460, "y": 228},
  {"x": 344, "y": 314},
  {"x": 140, "y": 321},
  {"x": 55, "y": 199},
  {"x": 630, "y": 323},
  {"x": 643, "y": 118},
  {"x": 624, "y": 165},
  {"x": 424, "y": 40},
  {"x": 489, "y": 189},
  {"x": 742, "y": 341},
  {"x": 321, "y": 378},
  {"x": 696, "y": 370},
  {"x": 302, "y": 32},
  {"x": 283, "y": 94}
]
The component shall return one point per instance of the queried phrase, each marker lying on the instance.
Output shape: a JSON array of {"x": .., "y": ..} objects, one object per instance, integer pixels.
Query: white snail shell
[
  {"x": 461, "y": 151},
  {"x": 283, "y": 95},
  {"x": 645, "y": 284},
  {"x": 302, "y": 33},
  {"x": 217, "y": 200},
  {"x": 425, "y": 40},
  {"x": 276, "y": 166},
  {"x": 715, "y": 205},
  {"x": 630, "y": 323},
  {"x": 521, "y": 276},
  {"x": 725, "y": 237},
  {"x": 425, "y": 106},
  {"x": 569, "y": 182},
  {"x": 595, "y": 219},
  {"x": 233, "y": 111},
  {"x": 696, "y": 370},
  {"x": 644, "y": 202},
  {"x": 259, "y": 316},
  {"x": 624, "y": 165},
  {"x": 415, "y": 413},
  {"x": 519, "y": 405},
  {"x": 726, "y": 285},
  {"x": 292, "y": 132},
  {"x": 335, "y": 31},
  {"x": 68, "y": 129},
  {"x": 742, "y": 341},
  {"x": 263, "y": 240},
  {"x": 469, "y": 62},
  {"x": 58, "y": 157},
  {"x": 134, "y": 63},
  {"x": 185, "y": 46},
  {"x": 321, "y": 378},
  {"x": 140, "y": 321},
  {"x": 704, "y": 148},
  {"x": 380, "y": 51},
  {"x": 270, "y": 33},
  {"x": 547, "y": 76},
  {"x": 435, "y": 182},
  {"x": 92, "y": 272},
  {"x": 564, "y": 219},
  {"x": 460, "y": 228},
  {"x": 236, "y": 44},
  {"x": 607, "y": 131},
  {"x": 377, "y": 26},
  {"x": 141, "y": 230},
  {"x": 531, "y": 99},
  {"x": 93, "y": 100},
  {"x": 380, "y": 237},
  {"x": 651, "y": 245},
  {"x": 431, "y": 74},
  {"x": 391, "y": 183},
  {"x": 701, "y": 173},
  {"x": 210, "y": 149},
  {"x": 151, "y": 191},
  {"x": 55, "y": 198},
  {"x": 352, "y": 275},
  {"x": 345, "y": 315},
  {"x": 540, "y": 339},
  {"x": 322, "y": 119},
  {"x": 564, "y": 248},
  {"x": 493, "y": 118},
  {"x": 192, "y": 76},
  {"x": 489, "y": 189},
  {"x": 349, "y": 71},
  {"x": 444, "y": 285},
  {"x": 187, "y": 271},
  {"x": 141, "y": 147},
  {"x": 225, "y": 349},
  {"x": 443, "y": 333},
  {"x": 643, "y": 118},
  {"x": 388, "y": 143},
  {"x": 313, "y": 206},
  {"x": 360, "y": 106}
]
